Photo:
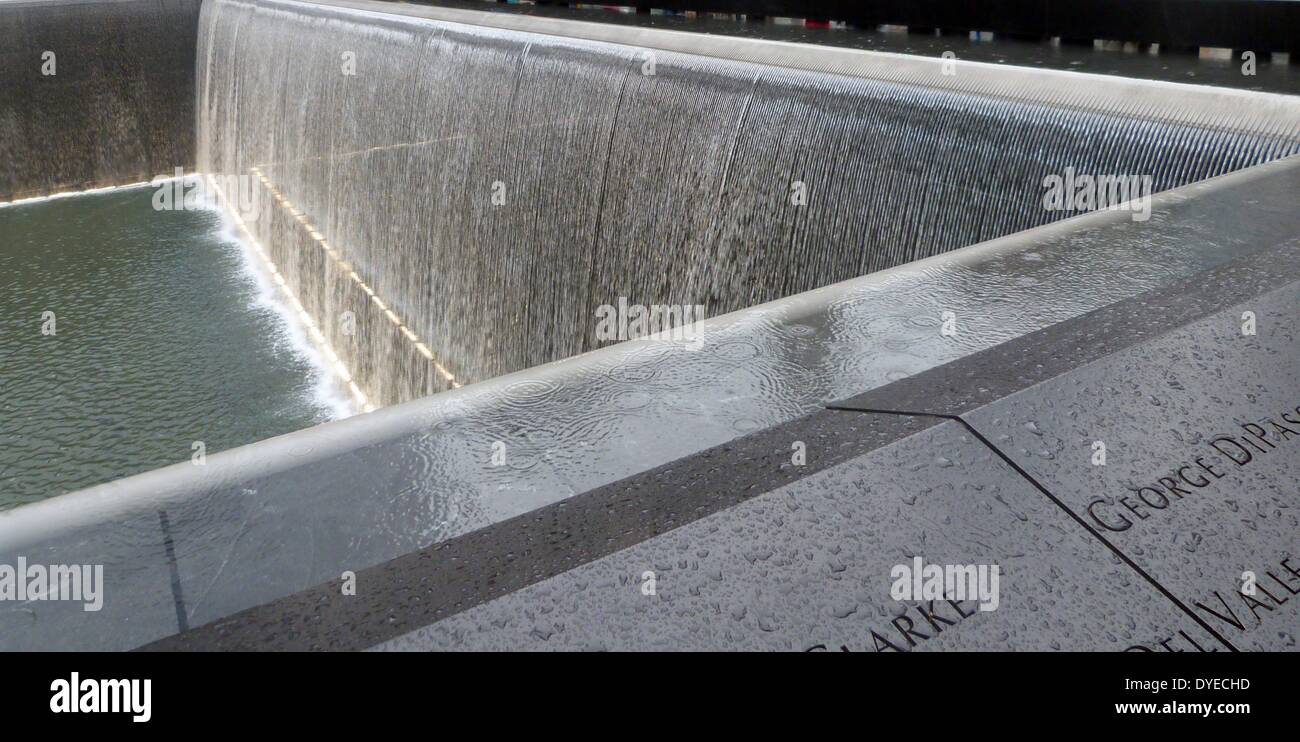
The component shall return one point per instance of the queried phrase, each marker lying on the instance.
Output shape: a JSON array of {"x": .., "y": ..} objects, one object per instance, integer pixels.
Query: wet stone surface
[
  {"x": 1201, "y": 435},
  {"x": 808, "y": 567}
]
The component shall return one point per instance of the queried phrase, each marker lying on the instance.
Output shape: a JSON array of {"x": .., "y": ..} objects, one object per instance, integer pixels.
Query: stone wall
[{"x": 94, "y": 93}]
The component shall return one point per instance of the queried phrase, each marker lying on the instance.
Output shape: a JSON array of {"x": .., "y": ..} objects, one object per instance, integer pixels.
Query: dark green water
[{"x": 163, "y": 337}]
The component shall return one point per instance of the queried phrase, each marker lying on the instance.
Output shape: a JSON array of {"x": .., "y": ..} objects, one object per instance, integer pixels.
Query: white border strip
[{"x": 89, "y": 191}]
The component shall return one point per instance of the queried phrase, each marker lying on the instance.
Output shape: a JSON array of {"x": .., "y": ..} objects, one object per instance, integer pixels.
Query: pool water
[{"x": 132, "y": 338}]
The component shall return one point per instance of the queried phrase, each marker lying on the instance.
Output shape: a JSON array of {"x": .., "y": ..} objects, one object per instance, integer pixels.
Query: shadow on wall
[{"x": 94, "y": 93}]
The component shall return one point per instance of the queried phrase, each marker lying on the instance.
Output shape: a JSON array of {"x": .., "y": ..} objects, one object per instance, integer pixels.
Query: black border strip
[
  {"x": 1262, "y": 25},
  {"x": 169, "y": 546}
]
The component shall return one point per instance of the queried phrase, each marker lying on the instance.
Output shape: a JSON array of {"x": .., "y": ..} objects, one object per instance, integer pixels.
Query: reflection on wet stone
[{"x": 808, "y": 567}]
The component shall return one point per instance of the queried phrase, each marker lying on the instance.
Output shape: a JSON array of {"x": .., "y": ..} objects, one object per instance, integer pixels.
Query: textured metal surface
[{"x": 298, "y": 510}]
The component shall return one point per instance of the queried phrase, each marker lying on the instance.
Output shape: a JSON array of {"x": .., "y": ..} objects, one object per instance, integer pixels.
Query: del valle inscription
[
  {"x": 1246, "y": 607},
  {"x": 1238, "y": 608}
]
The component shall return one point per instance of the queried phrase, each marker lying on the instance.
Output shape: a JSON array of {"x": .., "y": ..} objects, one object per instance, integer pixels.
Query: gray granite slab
[
  {"x": 1201, "y": 480},
  {"x": 808, "y": 567}
]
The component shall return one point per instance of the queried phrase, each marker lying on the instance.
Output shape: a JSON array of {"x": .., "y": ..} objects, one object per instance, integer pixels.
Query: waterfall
[{"x": 451, "y": 202}]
